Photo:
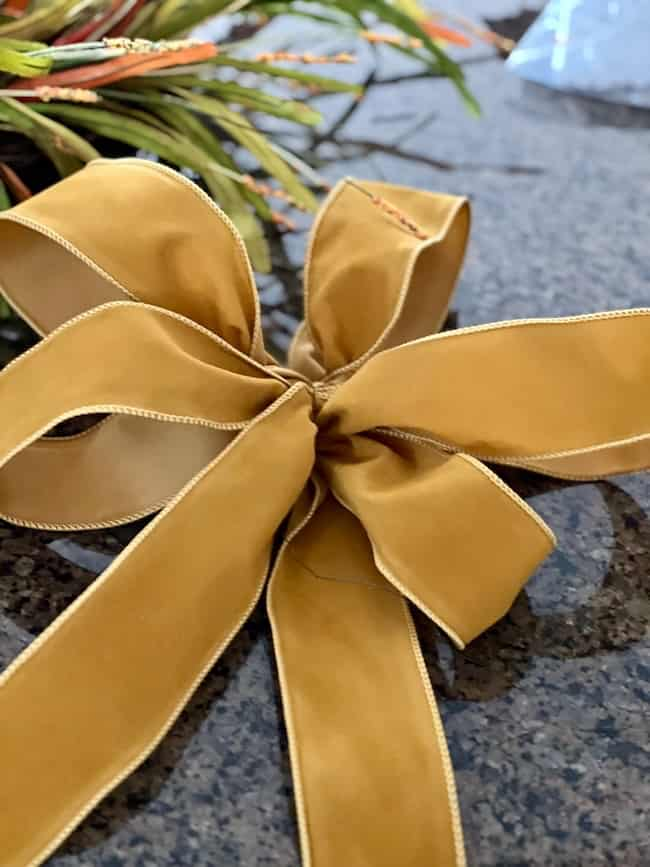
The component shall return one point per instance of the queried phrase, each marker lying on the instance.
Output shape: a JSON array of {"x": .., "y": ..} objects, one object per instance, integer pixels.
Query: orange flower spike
[
  {"x": 98, "y": 74},
  {"x": 283, "y": 222},
  {"x": 307, "y": 57},
  {"x": 446, "y": 34},
  {"x": 270, "y": 192},
  {"x": 503, "y": 43},
  {"x": 286, "y": 197},
  {"x": 255, "y": 186},
  {"x": 390, "y": 39},
  {"x": 379, "y": 38},
  {"x": 15, "y": 8}
]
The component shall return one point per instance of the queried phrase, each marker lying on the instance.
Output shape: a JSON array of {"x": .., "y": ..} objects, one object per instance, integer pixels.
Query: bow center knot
[{"x": 319, "y": 391}]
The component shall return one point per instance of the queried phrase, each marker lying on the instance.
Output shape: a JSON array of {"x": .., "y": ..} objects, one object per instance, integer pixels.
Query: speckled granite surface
[{"x": 548, "y": 714}]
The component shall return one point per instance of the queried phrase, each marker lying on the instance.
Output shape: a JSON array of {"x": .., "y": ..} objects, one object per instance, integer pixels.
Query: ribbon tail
[
  {"x": 373, "y": 779},
  {"x": 90, "y": 698}
]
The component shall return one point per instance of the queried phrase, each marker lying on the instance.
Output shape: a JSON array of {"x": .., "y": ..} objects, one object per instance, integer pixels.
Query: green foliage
[
  {"x": 180, "y": 110},
  {"x": 64, "y": 147},
  {"x": 43, "y": 21},
  {"x": 5, "y": 202},
  {"x": 14, "y": 59},
  {"x": 180, "y": 16},
  {"x": 309, "y": 79}
]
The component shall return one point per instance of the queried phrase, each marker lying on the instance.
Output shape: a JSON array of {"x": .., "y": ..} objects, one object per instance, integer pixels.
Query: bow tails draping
[
  {"x": 95, "y": 693},
  {"x": 371, "y": 443},
  {"x": 372, "y": 775}
]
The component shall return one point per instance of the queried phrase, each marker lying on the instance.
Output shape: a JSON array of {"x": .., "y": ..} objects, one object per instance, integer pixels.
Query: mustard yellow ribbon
[{"x": 373, "y": 440}]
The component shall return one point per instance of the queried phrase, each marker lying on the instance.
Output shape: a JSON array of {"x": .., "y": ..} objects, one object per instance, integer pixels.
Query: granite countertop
[{"x": 548, "y": 713}]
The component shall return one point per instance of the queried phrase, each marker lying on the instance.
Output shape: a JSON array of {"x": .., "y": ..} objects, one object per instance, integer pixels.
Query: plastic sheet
[{"x": 596, "y": 48}]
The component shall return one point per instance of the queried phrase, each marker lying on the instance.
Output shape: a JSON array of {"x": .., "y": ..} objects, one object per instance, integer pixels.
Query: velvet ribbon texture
[{"x": 368, "y": 451}]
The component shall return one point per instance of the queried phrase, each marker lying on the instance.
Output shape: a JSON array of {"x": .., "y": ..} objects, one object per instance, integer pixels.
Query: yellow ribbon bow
[{"x": 373, "y": 441}]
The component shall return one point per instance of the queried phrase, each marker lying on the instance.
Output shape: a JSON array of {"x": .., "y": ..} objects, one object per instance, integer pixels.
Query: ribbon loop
[
  {"x": 366, "y": 254},
  {"x": 62, "y": 252},
  {"x": 122, "y": 469},
  {"x": 172, "y": 371},
  {"x": 563, "y": 396}
]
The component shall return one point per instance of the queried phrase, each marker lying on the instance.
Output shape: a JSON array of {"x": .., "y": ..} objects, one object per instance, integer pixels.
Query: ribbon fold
[{"x": 373, "y": 441}]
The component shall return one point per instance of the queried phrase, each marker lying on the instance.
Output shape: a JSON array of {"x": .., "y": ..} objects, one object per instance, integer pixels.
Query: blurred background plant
[{"x": 84, "y": 78}]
